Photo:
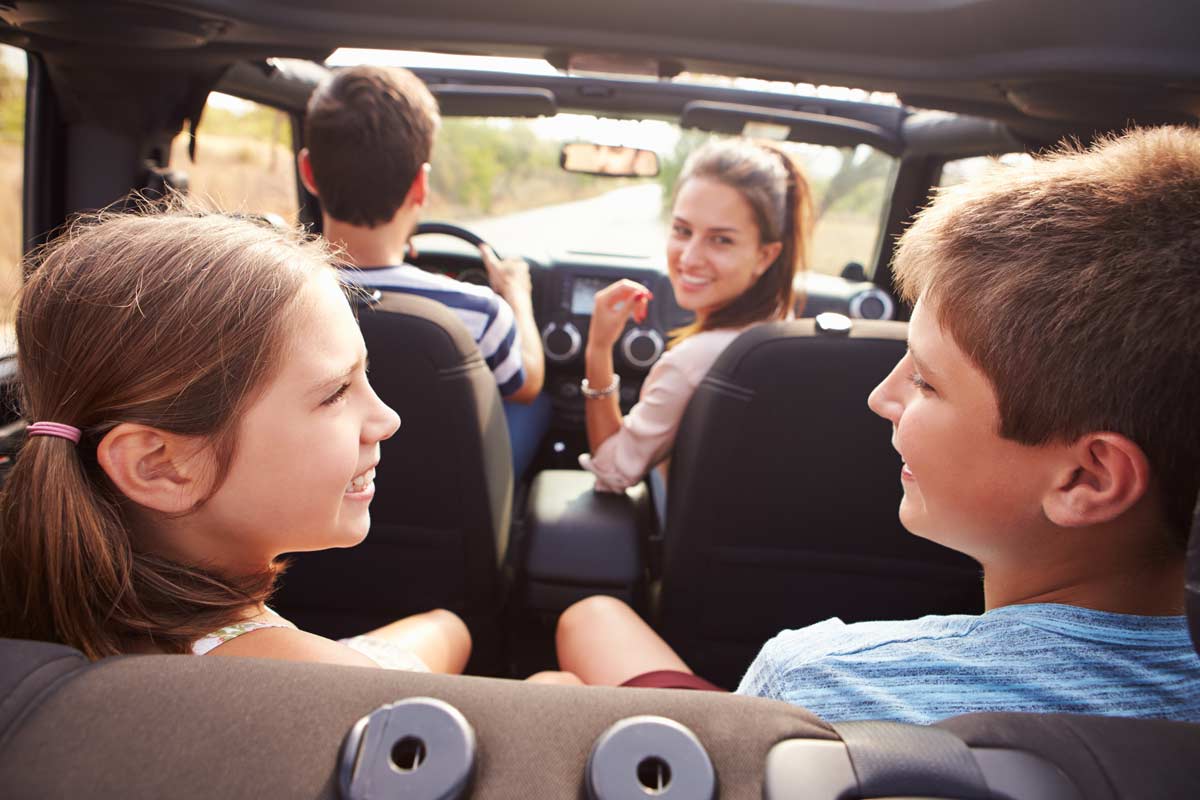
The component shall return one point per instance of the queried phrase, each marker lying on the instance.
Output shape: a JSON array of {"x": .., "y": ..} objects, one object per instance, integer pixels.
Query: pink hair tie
[{"x": 54, "y": 429}]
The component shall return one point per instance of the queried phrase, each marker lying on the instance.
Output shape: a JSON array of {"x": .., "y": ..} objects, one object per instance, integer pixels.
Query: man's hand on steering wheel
[{"x": 509, "y": 277}]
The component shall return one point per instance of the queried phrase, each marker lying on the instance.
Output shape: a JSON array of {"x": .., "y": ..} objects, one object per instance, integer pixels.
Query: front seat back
[
  {"x": 257, "y": 727},
  {"x": 783, "y": 496},
  {"x": 440, "y": 516}
]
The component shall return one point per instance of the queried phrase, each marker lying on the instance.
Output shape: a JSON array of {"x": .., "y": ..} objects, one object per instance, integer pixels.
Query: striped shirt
[
  {"x": 1038, "y": 657},
  {"x": 486, "y": 314}
]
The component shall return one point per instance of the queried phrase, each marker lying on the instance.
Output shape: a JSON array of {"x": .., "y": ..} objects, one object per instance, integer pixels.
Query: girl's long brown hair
[
  {"x": 769, "y": 180},
  {"x": 173, "y": 320}
]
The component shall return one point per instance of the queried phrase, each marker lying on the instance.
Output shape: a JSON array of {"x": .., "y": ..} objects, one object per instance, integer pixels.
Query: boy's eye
[
  {"x": 920, "y": 383},
  {"x": 336, "y": 396}
]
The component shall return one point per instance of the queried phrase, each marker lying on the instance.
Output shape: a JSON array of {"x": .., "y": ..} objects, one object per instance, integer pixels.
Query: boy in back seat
[{"x": 1046, "y": 415}]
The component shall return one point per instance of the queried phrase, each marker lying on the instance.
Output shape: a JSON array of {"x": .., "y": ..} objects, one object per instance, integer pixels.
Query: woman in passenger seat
[
  {"x": 198, "y": 392},
  {"x": 740, "y": 227}
]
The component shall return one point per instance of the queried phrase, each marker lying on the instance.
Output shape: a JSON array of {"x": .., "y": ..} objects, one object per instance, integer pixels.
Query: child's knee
[
  {"x": 589, "y": 614},
  {"x": 452, "y": 628},
  {"x": 556, "y": 678}
]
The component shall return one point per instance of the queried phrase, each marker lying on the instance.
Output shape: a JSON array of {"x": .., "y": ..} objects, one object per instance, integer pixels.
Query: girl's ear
[
  {"x": 157, "y": 470},
  {"x": 1104, "y": 476},
  {"x": 767, "y": 254}
]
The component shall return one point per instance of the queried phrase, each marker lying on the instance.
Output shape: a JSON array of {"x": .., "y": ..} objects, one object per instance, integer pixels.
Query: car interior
[{"x": 781, "y": 499}]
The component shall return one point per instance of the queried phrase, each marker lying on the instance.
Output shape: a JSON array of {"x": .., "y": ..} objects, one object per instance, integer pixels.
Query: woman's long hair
[
  {"x": 778, "y": 194},
  {"x": 172, "y": 320}
]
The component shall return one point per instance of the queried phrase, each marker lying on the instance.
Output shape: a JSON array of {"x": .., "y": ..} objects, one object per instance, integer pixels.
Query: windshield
[{"x": 501, "y": 178}]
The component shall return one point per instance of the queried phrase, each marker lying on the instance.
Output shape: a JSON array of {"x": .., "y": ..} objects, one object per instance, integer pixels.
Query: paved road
[{"x": 624, "y": 221}]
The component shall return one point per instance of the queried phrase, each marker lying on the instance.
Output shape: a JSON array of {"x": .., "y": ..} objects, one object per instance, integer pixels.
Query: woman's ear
[
  {"x": 1104, "y": 475},
  {"x": 767, "y": 254},
  {"x": 157, "y": 470}
]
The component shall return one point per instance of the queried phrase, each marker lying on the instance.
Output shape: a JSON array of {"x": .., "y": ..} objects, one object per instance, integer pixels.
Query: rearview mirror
[{"x": 611, "y": 160}]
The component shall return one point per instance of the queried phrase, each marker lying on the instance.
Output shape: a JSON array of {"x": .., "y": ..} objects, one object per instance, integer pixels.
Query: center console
[{"x": 580, "y": 542}]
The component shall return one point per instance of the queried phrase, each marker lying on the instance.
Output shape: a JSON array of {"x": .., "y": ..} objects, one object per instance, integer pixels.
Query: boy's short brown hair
[
  {"x": 368, "y": 131},
  {"x": 1073, "y": 283}
]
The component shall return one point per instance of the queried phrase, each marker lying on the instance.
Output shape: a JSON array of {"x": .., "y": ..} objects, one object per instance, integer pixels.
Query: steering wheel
[{"x": 476, "y": 275}]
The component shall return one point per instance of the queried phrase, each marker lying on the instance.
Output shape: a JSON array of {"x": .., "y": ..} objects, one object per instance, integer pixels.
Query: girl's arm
[
  {"x": 439, "y": 638},
  {"x": 289, "y": 644}
]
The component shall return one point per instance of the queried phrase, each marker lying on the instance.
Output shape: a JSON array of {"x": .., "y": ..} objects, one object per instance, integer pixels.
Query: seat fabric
[
  {"x": 441, "y": 512},
  {"x": 783, "y": 497},
  {"x": 1105, "y": 757},
  {"x": 204, "y": 727}
]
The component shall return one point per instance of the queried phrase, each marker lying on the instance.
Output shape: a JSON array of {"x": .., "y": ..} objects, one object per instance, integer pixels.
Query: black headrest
[
  {"x": 26, "y": 670},
  {"x": 1193, "y": 580}
]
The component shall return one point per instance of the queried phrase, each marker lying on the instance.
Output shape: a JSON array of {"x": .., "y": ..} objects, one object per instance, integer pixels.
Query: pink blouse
[{"x": 648, "y": 430}]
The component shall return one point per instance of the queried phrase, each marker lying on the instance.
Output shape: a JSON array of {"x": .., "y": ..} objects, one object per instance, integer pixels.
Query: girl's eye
[
  {"x": 336, "y": 396},
  {"x": 722, "y": 240},
  {"x": 920, "y": 383},
  {"x": 681, "y": 231}
]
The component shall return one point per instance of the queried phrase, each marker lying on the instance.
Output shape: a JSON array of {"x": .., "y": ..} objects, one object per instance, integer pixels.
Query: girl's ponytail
[{"x": 52, "y": 519}]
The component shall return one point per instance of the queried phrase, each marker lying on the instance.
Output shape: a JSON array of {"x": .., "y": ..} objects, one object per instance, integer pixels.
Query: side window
[
  {"x": 12, "y": 167},
  {"x": 963, "y": 169},
  {"x": 244, "y": 160}
]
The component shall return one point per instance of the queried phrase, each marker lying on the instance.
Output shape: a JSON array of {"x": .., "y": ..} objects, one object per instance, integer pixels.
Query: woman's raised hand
[{"x": 615, "y": 304}]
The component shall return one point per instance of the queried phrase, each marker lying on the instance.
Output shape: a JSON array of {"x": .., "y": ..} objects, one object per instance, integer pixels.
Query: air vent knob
[
  {"x": 641, "y": 347},
  {"x": 561, "y": 341}
]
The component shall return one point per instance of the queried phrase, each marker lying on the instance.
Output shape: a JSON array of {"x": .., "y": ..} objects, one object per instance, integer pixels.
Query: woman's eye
[
  {"x": 722, "y": 240},
  {"x": 680, "y": 231},
  {"x": 336, "y": 396}
]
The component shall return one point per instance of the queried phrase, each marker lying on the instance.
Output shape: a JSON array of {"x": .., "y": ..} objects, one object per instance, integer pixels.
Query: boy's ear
[
  {"x": 304, "y": 165},
  {"x": 418, "y": 193},
  {"x": 1104, "y": 475},
  {"x": 157, "y": 470}
]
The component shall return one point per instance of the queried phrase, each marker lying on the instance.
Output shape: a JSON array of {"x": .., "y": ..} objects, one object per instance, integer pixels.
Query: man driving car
[{"x": 369, "y": 133}]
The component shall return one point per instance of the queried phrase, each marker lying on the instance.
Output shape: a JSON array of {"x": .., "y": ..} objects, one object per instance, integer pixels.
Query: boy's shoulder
[
  {"x": 1036, "y": 622},
  {"x": 833, "y": 637},
  {"x": 408, "y": 277}
]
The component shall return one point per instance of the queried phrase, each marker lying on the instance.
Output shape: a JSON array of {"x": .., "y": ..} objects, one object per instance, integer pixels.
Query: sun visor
[
  {"x": 494, "y": 101},
  {"x": 957, "y": 135},
  {"x": 738, "y": 119}
]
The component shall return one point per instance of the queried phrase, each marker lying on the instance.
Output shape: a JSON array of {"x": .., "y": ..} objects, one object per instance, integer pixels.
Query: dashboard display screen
[{"x": 583, "y": 294}]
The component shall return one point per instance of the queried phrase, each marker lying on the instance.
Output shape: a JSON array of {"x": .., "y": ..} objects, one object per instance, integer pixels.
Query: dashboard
[
  {"x": 564, "y": 292},
  {"x": 568, "y": 289}
]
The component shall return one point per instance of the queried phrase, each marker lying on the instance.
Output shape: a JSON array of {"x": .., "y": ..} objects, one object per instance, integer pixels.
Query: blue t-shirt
[
  {"x": 486, "y": 314},
  {"x": 1037, "y": 657}
]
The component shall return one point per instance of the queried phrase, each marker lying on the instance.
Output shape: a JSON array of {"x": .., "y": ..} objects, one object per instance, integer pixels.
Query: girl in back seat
[
  {"x": 740, "y": 227},
  {"x": 199, "y": 404}
]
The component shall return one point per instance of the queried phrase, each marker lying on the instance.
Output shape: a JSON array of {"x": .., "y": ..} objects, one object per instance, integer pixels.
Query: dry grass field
[
  {"x": 236, "y": 173},
  {"x": 841, "y": 237}
]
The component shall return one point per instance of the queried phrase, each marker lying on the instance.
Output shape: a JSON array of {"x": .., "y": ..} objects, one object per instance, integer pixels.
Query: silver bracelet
[{"x": 596, "y": 394}]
